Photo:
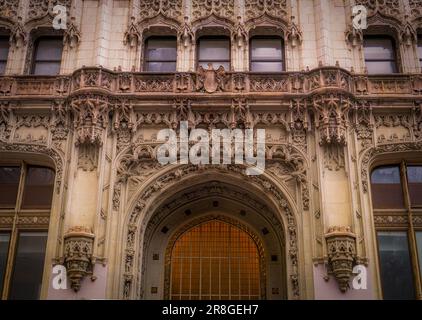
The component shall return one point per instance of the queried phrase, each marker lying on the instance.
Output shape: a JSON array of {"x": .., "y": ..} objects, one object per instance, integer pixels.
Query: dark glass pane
[
  {"x": 4, "y": 48},
  {"x": 420, "y": 47},
  {"x": 161, "y": 66},
  {"x": 49, "y": 49},
  {"x": 396, "y": 271},
  {"x": 378, "y": 49},
  {"x": 161, "y": 49},
  {"x": 414, "y": 178},
  {"x": 2, "y": 67},
  {"x": 386, "y": 188},
  {"x": 38, "y": 189},
  {"x": 266, "y": 49},
  {"x": 419, "y": 244},
  {"x": 267, "y": 66},
  {"x": 47, "y": 68},
  {"x": 9, "y": 184},
  {"x": 380, "y": 67},
  {"x": 4, "y": 249},
  {"x": 214, "y": 49},
  {"x": 28, "y": 267},
  {"x": 216, "y": 65}
]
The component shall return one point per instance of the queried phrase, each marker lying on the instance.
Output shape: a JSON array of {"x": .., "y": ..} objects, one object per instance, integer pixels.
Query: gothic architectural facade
[{"x": 317, "y": 223}]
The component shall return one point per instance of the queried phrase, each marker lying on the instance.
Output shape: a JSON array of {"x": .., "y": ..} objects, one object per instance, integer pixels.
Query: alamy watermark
[
  {"x": 359, "y": 14},
  {"x": 198, "y": 148}
]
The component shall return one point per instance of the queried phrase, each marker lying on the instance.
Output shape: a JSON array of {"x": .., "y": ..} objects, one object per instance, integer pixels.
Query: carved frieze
[
  {"x": 385, "y": 7},
  {"x": 151, "y": 8},
  {"x": 9, "y": 9},
  {"x": 274, "y": 8},
  {"x": 205, "y": 8},
  {"x": 210, "y": 80}
]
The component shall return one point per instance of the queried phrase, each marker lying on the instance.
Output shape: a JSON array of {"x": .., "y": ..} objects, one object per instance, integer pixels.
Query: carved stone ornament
[
  {"x": 354, "y": 37},
  {"x": 220, "y": 8},
  {"x": 341, "y": 251},
  {"x": 385, "y": 7},
  {"x": 71, "y": 36},
  {"x": 132, "y": 35},
  {"x": 78, "y": 260},
  {"x": 9, "y": 8},
  {"x": 294, "y": 35},
  {"x": 18, "y": 35},
  {"x": 210, "y": 80},
  {"x": 408, "y": 35},
  {"x": 274, "y": 8},
  {"x": 186, "y": 35},
  {"x": 151, "y": 8}
]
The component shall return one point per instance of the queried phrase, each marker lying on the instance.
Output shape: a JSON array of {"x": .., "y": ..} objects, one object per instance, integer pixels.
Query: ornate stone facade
[{"x": 328, "y": 123}]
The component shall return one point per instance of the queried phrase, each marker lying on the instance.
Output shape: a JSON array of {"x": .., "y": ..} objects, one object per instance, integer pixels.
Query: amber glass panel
[
  {"x": 215, "y": 260},
  {"x": 38, "y": 189},
  {"x": 414, "y": 178},
  {"x": 387, "y": 191},
  {"x": 9, "y": 184},
  {"x": 28, "y": 266}
]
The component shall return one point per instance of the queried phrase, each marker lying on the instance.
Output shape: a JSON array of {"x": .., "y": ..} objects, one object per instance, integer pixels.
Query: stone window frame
[
  {"x": 392, "y": 224},
  {"x": 33, "y": 220}
]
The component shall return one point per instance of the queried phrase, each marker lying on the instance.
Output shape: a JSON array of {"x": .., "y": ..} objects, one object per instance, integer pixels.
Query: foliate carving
[
  {"x": 334, "y": 158},
  {"x": 294, "y": 35},
  {"x": 341, "y": 251},
  {"x": 169, "y": 8},
  {"x": 41, "y": 8},
  {"x": 275, "y": 8},
  {"x": 71, "y": 36},
  {"x": 354, "y": 37},
  {"x": 18, "y": 35},
  {"x": 381, "y": 149},
  {"x": 385, "y": 7},
  {"x": 220, "y": 8},
  {"x": 5, "y": 121},
  {"x": 186, "y": 35},
  {"x": 363, "y": 123},
  {"x": 9, "y": 8},
  {"x": 415, "y": 8},
  {"x": 59, "y": 124},
  {"x": 393, "y": 121},
  {"x": 132, "y": 36},
  {"x": 78, "y": 259},
  {"x": 210, "y": 80},
  {"x": 408, "y": 35},
  {"x": 299, "y": 123},
  {"x": 331, "y": 118},
  {"x": 90, "y": 118}
]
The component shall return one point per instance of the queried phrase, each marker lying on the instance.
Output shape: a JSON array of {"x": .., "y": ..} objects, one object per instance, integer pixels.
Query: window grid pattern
[
  {"x": 25, "y": 203},
  {"x": 215, "y": 260},
  {"x": 396, "y": 194}
]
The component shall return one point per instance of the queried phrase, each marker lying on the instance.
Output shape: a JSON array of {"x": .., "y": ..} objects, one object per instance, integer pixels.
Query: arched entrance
[{"x": 218, "y": 259}]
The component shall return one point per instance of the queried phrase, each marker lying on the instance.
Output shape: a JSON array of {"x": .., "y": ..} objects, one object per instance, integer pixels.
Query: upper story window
[
  {"x": 214, "y": 51},
  {"x": 160, "y": 54},
  {"x": 4, "y": 52},
  {"x": 25, "y": 195},
  {"x": 380, "y": 54},
  {"x": 47, "y": 56},
  {"x": 396, "y": 198},
  {"x": 267, "y": 54}
]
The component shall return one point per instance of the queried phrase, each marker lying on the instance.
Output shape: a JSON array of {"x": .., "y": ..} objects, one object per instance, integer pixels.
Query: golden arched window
[{"x": 215, "y": 260}]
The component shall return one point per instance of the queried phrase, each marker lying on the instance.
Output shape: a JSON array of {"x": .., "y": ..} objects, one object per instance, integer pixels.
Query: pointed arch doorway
[{"x": 217, "y": 259}]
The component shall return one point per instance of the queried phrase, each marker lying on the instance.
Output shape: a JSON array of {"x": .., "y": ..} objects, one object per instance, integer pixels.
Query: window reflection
[
  {"x": 161, "y": 54},
  {"x": 380, "y": 55},
  {"x": 386, "y": 188},
  {"x": 214, "y": 51},
  {"x": 396, "y": 271}
]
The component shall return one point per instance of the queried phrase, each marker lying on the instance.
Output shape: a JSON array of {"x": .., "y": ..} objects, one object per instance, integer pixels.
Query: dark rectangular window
[
  {"x": 160, "y": 54},
  {"x": 414, "y": 179},
  {"x": 28, "y": 268},
  {"x": 4, "y": 53},
  {"x": 396, "y": 270},
  {"x": 419, "y": 248},
  {"x": 38, "y": 190},
  {"x": 4, "y": 251},
  {"x": 47, "y": 56},
  {"x": 387, "y": 192},
  {"x": 9, "y": 185},
  {"x": 267, "y": 55},
  {"x": 380, "y": 55},
  {"x": 214, "y": 51}
]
